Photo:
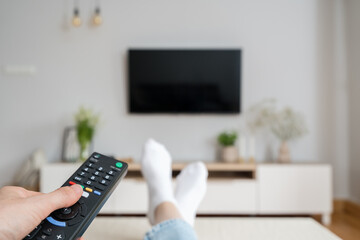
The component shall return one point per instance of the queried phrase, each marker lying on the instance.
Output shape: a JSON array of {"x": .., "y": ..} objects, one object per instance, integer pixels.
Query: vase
[
  {"x": 284, "y": 153},
  {"x": 229, "y": 154},
  {"x": 84, "y": 152}
]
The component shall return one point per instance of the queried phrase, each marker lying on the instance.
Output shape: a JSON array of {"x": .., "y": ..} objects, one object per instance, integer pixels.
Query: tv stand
[{"x": 233, "y": 189}]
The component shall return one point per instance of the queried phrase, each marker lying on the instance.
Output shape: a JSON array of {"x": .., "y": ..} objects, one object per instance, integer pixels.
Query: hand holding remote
[{"x": 22, "y": 210}]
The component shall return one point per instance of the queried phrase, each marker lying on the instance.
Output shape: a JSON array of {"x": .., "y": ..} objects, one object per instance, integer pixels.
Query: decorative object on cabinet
[
  {"x": 287, "y": 126},
  {"x": 86, "y": 122},
  {"x": 229, "y": 152}
]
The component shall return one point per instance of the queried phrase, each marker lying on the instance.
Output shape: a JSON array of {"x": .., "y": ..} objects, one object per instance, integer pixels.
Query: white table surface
[{"x": 133, "y": 228}]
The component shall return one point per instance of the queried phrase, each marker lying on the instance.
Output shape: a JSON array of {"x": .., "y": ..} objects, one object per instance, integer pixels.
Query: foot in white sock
[
  {"x": 191, "y": 189},
  {"x": 157, "y": 171}
]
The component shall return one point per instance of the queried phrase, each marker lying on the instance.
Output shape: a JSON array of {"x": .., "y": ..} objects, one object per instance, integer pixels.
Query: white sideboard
[{"x": 262, "y": 189}]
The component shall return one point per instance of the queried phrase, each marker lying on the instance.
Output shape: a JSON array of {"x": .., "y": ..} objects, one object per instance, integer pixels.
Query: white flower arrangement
[
  {"x": 285, "y": 124},
  {"x": 288, "y": 125}
]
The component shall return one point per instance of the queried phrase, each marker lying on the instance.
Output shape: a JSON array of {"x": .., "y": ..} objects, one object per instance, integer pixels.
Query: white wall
[
  {"x": 287, "y": 54},
  {"x": 353, "y": 34}
]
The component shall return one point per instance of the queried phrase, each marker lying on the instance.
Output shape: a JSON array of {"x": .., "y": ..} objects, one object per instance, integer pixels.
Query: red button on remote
[{"x": 71, "y": 183}]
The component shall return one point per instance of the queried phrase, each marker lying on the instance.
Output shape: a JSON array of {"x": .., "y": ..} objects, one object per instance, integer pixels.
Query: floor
[{"x": 345, "y": 226}]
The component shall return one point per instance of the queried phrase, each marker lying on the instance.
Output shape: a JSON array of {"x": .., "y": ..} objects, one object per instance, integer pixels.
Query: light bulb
[
  {"x": 76, "y": 21},
  {"x": 97, "y": 18}
]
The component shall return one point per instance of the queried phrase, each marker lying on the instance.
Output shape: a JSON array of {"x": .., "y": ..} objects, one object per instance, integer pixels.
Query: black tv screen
[{"x": 184, "y": 81}]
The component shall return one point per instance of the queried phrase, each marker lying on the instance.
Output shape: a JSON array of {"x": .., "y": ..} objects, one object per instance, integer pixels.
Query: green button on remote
[{"x": 119, "y": 164}]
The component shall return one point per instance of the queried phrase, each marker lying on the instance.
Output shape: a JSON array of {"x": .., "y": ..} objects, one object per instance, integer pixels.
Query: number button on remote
[
  {"x": 86, "y": 169},
  {"x": 89, "y": 183},
  {"x": 108, "y": 177},
  {"x": 97, "y": 173},
  {"x": 83, "y": 174},
  {"x": 93, "y": 178},
  {"x": 100, "y": 169},
  {"x": 111, "y": 172},
  {"x": 104, "y": 182}
]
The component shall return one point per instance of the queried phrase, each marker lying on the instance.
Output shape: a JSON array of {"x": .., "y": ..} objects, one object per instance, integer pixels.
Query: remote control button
[
  {"x": 93, "y": 178},
  {"x": 86, "y": 169},
  {"x": 104, "y": 182},
  {"x": 91, "y": 165},
  {"x": 97, "y": 193},
  {"x": 100, "y": 187},
  {"x": 111, "y": 172},
  {"x": 55, "y": 222},
  {"x": 85, "y": 194},
  {"x": 93, "y": 160},
  {"x": 119, "y": 164},
  {"x": 89, "y": 183},
  {"x": 77, "y": 179},
  {"x": 83, "y": 174},
  {"x": 108, "y": 177},
  {"x": 67, "y": 213},
  {"x": 66, "y": 210},
  {"x": 42, "y": 237},
  {"x": 83, "y": 210},
  {"x": 88, "y": 189},
  {"x": 75, "y": 221},
  {"x": 48, "y": 231},
  {"x": 59, "y": 236},
  {"x": 33, "y": 233},
  {"x": 97, "y": 156},
  {"x": 97, "y": 173},
  {"x": 100, "y": 169},
  {"x": 71, "y": 183}
]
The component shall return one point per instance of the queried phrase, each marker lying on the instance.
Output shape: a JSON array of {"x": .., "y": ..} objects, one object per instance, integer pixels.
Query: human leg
[{"x": 173, "y": 217}]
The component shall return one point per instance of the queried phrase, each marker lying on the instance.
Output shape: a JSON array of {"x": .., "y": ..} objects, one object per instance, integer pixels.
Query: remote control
[{"x": 99, "y": 176}]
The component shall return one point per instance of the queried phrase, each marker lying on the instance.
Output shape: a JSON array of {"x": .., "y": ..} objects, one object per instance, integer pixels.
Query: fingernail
[{"x": 77, "y": 188}]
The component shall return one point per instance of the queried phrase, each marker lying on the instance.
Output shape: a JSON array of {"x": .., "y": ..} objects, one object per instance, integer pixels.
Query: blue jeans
[{"x": 174, "y": 229}]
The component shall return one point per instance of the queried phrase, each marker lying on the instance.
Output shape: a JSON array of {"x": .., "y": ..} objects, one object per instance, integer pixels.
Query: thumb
[{"x": 60, "y": 198}]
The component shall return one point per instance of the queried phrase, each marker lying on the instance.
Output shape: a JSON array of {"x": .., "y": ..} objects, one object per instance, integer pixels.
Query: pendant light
[
  {"x": 97, "y": 20},
  {"x": 76, "y": 21}
]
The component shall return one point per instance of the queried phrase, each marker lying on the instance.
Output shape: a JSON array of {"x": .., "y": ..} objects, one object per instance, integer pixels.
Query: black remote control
[{"x": 99, "y": 176}]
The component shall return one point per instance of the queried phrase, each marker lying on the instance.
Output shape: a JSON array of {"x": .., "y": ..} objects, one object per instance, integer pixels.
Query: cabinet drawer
[
  {"x": 229, "y": 197},
  {"x": 130, "y": 197},
  {"x": 294, "y": 189}
]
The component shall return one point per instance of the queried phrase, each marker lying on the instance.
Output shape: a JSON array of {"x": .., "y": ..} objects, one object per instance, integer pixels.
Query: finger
[{"x": 60, "y": 198}]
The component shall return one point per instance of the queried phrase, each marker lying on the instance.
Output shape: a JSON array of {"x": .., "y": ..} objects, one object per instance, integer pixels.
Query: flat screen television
[{"x": 184, "y": 81}]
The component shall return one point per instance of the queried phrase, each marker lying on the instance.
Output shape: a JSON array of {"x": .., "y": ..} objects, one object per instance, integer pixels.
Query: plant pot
[
  {"x": 284, "y": 153},
  {"x": 229, "y": 154}
]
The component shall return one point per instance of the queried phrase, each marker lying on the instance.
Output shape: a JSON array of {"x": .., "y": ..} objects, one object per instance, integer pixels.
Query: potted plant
[
  {"x": 287, "y": 126},
  {"x": 86, "y": 122},
  {"x": 229, "y": 152}
]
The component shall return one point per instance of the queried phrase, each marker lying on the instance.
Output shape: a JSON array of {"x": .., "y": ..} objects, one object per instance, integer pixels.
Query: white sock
[
  {"x": 157, "y": 171},
  {"x": 191, "y": 189}
]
